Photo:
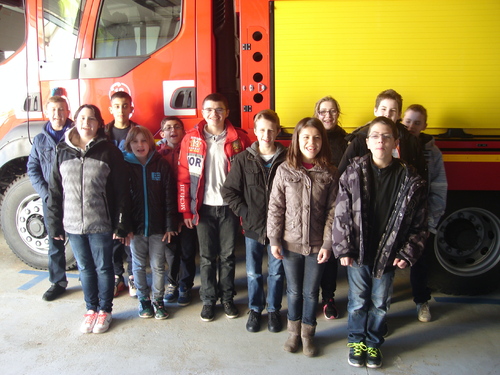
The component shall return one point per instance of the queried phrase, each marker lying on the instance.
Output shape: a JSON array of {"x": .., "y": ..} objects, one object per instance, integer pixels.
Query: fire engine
[{"x": 285, "y": 55}]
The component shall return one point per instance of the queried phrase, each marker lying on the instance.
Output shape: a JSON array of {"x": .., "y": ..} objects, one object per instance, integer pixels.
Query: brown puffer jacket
[{"x": 301, "y": 209}]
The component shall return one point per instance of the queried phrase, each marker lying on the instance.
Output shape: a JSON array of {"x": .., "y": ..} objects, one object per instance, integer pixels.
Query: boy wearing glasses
[
  {"x": 181, "y": 251},
  {"x": 380, "y": 223},
  {"x": 204, "y": 162}
]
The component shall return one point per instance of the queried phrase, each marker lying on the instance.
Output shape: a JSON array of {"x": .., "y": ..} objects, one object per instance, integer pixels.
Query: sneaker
[
  {"x": 357, "y": 354},
  {"x": 132, "y": 290},
  {"x": 373, "y": 358},
  {"x": 88, "y": 323},
  {"x": 160, "y": 311},
  {"x": 208, "y": 313},
  {"x": 184, "y": 298},
  {"x": 53, "y": 292},
  {"x": 274, "y": 323},
  {"x": 171, "y": 293},
  {"x": 330, "y": 310},
  {"x": 102, "y": 323},
  {"x": 423, "y": 312},
  {"x": 230, "y": 309},
  {"x": 119, "y": 285},
  {"x": 145, "y": 308},
  {"x": 253, "y": 322}
]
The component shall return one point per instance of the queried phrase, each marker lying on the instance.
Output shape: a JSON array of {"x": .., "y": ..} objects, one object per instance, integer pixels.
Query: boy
[
  {"x": 415, "y": 120},
  {"x": 388, "y": 104},
  {"x": 40, "y": 163},
  {"x": 380, "y": 224},
  {"x": 121, "y": 108},
  {"x": 246, "y": 190},
  {"x": 181, "y": 251},
  {"x": 204, "y": 161}
]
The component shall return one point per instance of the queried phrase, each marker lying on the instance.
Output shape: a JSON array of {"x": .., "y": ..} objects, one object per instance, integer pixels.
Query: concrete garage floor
[{"x": 38, "y": 337}]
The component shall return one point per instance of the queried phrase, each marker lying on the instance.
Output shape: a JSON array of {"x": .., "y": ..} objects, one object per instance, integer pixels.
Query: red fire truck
[{"x": 285, "y": 55}]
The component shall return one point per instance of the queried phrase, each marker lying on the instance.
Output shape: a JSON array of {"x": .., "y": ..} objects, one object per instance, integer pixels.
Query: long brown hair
[{"x": 294, "y": 156}]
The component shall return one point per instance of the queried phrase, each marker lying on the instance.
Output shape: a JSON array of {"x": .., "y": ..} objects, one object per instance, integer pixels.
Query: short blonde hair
[
  {"x": 56, "y": 99},
  {"x": 134, "y": 132}
]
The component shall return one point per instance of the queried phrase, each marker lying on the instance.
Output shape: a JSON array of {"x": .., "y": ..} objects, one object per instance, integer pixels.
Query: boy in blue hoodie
[{"x": 40, "y": 163}]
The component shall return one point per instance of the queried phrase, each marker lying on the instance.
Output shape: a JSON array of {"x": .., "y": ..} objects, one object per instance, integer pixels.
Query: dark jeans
[
  {"x": 94, "y": 255},
  {"x": 217, "y": 228},
  {"x": 303, "y": 275},
  {"x": 329, "y": 279},
  {"x": 419, "y": 272},
  {"x": 119, "y": 252},
  {"x": 181, "y": 255},
  {"x": 369, "y": 301},
  {"x": 57, "y": 258}
]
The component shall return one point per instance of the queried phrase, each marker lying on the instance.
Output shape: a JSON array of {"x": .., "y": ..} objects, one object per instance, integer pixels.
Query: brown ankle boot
[
  {"x": 307, "y": 334},
  {"x": 292, "y": 343}
]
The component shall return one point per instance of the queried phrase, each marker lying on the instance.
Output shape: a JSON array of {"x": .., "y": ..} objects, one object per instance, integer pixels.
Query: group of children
[{"x": 364, "y": 196}]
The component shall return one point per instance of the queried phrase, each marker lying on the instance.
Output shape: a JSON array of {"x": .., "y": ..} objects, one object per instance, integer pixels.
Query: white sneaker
[
  {"x": 103, "y": 322},
  {"x": 88, "y": 323},
  {"x": 423, "y": 312},
  {"x": 132, "y": 290}
]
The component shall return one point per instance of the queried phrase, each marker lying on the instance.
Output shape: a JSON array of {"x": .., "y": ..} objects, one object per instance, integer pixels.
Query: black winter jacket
[
  {"x": 247, "y": 190},
  {"x": 154, "y": 195},
  {"x": 410, "y": 149}
]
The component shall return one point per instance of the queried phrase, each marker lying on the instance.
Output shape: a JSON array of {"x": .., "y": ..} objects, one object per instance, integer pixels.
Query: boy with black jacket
[{"x": 246, "y": 190}]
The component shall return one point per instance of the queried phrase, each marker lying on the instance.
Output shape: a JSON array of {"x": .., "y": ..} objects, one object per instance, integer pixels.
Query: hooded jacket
[
  {"x": 437, "y": 182},
  {"x": 301, "y": 209},
  {"x": 406, "y": 229},
  {"x": 41, "y": 160},
  {"x": 247, "y": 189},
  {"x": 89, "y": 189},
  {"x": 153, "y": 193}
]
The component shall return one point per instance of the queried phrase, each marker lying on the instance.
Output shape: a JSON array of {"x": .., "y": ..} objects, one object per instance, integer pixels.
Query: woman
[
  {"x": 88, "y": 200},
  {"x": 327, "y": 109},
  {"x": 299, "y": 225}
]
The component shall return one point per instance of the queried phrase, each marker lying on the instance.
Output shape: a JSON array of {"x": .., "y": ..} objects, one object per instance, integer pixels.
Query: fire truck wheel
[
  {"x": 23, "y": 226},
  {"x": 466, "y": 253}
]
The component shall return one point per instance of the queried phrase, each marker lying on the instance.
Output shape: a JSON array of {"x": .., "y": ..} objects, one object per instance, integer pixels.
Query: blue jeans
[
  {"x": 303, "y": 275},
  {"x": 217, "y": 228},
  {"x": 369, "y": 301},
  {"x": 275, "y": 279},
  {"x": 94, "y": 255},
  {"x": 57, "y": 257},
  {"x": 153, "y": 247}
]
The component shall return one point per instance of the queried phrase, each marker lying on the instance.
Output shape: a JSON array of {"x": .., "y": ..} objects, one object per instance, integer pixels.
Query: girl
[
  {"x": 154, "y": 212},
  {"x": 327, "y": 109},
  {"x": 88, "y": 199},
  {"x": 299, "y": 223}
]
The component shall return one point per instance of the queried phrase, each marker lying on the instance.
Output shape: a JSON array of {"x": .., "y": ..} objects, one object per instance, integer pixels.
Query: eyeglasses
[
  {"x": 376, "y": 137},
  {"x": 170, "y": 128},
  {"x": 332, "y": 112},
  {"x": 219, "y": 111}
]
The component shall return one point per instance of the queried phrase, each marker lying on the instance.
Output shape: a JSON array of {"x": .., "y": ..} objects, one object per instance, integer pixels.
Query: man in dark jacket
[
  {"x": 380, "y": 224},
  {"x": 40, "y": 163},
  {"x": 246, "y": 190}
]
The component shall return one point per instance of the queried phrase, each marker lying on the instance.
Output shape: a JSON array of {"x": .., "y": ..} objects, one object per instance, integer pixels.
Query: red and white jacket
[{"x": 191, "y": 168}]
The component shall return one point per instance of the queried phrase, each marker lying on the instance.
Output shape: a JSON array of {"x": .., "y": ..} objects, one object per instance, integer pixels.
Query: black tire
[
  {"x": 465, "y": 253},
  {"x": 23, "y": 227}
]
